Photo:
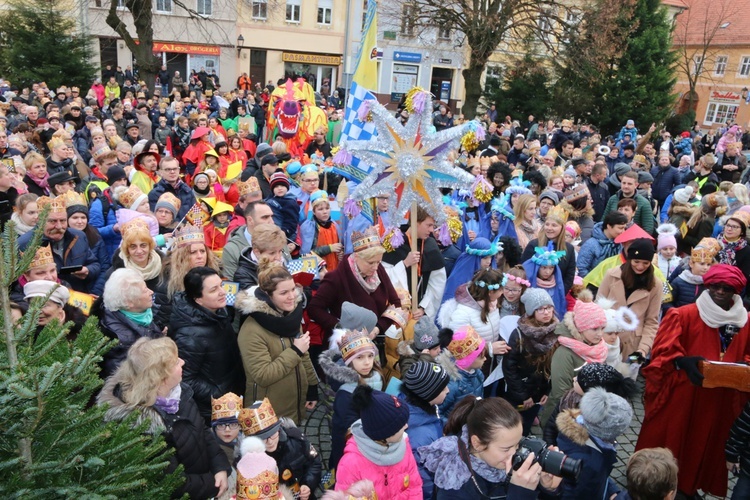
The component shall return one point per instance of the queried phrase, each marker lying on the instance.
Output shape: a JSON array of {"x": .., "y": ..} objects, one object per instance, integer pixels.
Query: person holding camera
[
  {"x": 588, "y": 434},
  {"x": 682, "y": 415},
  {"x": 477, "y": 459}
]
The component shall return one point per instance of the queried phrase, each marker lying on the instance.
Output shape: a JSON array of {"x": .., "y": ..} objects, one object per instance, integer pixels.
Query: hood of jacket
[
  {"x": 567, "y": 425},
  {"x": 597, "y": 233},
  {"x": 567, "y": 328},
  {"x": 118, "y": 410},
  {"x": 247, "y": 302},
  {"x": 405, "y": 348},
  {"x": 683, "y": 210},
  {"x": 186, "y": 315},
  {"x": 463, "y": 297},
  {"x": 334, "y": 367},
  {"x": 446, "y": 360},
  {"x": 245, "y": 257},
  {"x": 417, "y": 416}
]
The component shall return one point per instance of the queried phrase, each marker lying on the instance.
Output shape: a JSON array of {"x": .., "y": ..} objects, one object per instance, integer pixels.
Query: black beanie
[
  {"x": 641, "y": 249},
  {"x": 382, "y": 415},
  {"x": 114, "y": 174},
  {"x": 426, "y": 380}
]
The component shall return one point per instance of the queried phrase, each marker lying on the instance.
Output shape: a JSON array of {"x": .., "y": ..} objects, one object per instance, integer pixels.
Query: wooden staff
[{"x": 414, "y": 267}]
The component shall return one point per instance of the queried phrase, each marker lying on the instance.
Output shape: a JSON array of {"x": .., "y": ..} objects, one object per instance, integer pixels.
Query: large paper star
[{"x": 411, "y": 162}]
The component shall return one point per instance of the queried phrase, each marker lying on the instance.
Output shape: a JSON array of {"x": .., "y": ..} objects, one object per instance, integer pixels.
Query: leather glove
[
  {"x": 637, "y": 357},
  {"x": 690, "y": 365}
]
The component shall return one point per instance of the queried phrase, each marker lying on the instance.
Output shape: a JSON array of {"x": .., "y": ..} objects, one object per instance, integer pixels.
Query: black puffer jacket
[
  {"x": 207, "y": 343},
  {"x": 296, "y": 455},
  {"x": 115, "y": 325},
  {"x": 247, "y": 270},
  {"x": 522, "y": 378},
  {"x": 195, "y": 446}
]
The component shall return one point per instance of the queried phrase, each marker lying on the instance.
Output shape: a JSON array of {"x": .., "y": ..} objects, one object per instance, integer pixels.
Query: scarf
[
  {"x": 374, "y": 380},
  {"x": 529, "y": 228},
  {"x": 715, "y": 317},
  {"x": 21, "y": 227},
  {"x": 183, "y": 135},
  {"x": 371, "y": 283},
  {"x": 281, "y": 324},
  {"x": 150, "y": 271},
  {"x": 221, "y": 225},
  {"x": 202, "y": 193},
  {"x": 508, "y": 309},
  {"x": 590, "y": 353},
  {"x": 550, "y": 283},
  {"x": 378, "y": 454},
  {"x": 729, "y": 249},
  {"x": 170, "y": 404},
  {"x": 42, "y": 183},
  {"x": 690, "y": 278},
  {"x": 323, "y": 224},
  {"x": 144, "y": 318},
  {"x": 537, "y": 340}
]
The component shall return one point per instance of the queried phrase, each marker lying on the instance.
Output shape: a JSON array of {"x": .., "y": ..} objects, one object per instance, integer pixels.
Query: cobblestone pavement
[{"x": 317, "y": 428}]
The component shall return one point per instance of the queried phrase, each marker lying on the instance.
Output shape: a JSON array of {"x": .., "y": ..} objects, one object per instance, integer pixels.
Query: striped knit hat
[{"x": 426, "y": 380}]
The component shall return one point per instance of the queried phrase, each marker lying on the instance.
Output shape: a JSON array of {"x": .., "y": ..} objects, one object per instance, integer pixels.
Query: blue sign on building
[{"x": 412, "y": 57}]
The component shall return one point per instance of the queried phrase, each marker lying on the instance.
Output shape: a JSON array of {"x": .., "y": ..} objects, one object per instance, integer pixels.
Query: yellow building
[
  {"x": 713, "y": 40},
  {"x": 295, "y": 37}
]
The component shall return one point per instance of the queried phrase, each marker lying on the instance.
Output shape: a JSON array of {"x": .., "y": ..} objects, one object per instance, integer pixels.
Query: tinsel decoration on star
[
  {"x": 410, "y": 162},
  {"x": 392, "y": 238},
  {"x": 452, "y": 229},
  {"x": 470, "y": 141},
  {"x": 481, "y": 190}
]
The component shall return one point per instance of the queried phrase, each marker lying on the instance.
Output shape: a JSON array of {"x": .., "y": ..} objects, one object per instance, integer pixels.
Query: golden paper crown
[
  {"x": 55, "y": 142},
  {"x": 73, "y": 199},
  {"x": 249, "y": 186},
  {"x": 472, "y": 162},
  {"x": 559, "y": 214},
  {"x": 43, "y": 257},
  {"x": 710, "y": 243},
  {"x": 137, "y": 224},
  {"x": 171, "y": 199},
  {"x": 354, "y": 342},
  {"x": 130, "y": 196},
  {"x": 227, "y": 406},
  {"x": 256, "y": 419},
  {"x": 399, "y": 316},
  {"x": 367, "y": 239},
  {"x": 56, "y": 204},
  {"x": 188, "y": 234},
  {"x": 263, "y": 486},
  {"x": 743, "y": 217},
  {"x": 485, "y": 161},
  {"x": 702, "y": 256},
  {"x": 465, "y": 346}
]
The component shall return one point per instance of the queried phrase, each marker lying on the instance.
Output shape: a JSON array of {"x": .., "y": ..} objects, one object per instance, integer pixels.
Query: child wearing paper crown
[
  {"x": 580, "y": 338},
  {"x": 226, "y": 425},
  {"x": 379, "y": 449},
  {"x": 351, "y": 361},
  {"x": 321, "y": 234},
  {"x": 258, "y": 474},
  {"x": 543, "y": 271},
  {"x": 463, "y": 360},
  {"x": 526, "y": 366},
  {"x": 283, "y": 204},
  {"x": 299, "y": 463},
  {"x": 426, "y": 345}
]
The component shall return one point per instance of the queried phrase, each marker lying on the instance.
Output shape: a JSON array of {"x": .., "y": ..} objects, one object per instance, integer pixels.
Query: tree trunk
[
  {"x": 143, "y": 50},
  {"x": 473, "y": 84}
]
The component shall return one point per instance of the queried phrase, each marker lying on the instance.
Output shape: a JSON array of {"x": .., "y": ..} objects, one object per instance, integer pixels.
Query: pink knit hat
[
  {"x": 588, "y": 315},
  {"x": 466, "y": 346}
]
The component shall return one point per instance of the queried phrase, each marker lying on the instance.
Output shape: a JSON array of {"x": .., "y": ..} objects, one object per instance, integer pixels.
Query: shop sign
[
  {"x": 412, "y": 57},
  {"x": 321, "y": 59},
  {"x": 184, "y": 48},
  {"x": 444, "y": 61},
  {"x": 728, "y": 96}
]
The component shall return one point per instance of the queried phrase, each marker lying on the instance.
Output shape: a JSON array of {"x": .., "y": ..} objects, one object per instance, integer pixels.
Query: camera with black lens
[{"x": 553, "y": 462}]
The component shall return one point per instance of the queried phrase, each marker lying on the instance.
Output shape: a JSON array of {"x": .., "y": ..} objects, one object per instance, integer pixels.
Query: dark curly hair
[
  {"x": 535, "y": 177},
  {"x": 499, "y": 167},
  {"x": 511, "y": 251}
]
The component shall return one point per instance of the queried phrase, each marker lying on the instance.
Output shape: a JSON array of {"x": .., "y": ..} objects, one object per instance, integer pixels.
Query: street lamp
[{"x": 240, "y": 44}]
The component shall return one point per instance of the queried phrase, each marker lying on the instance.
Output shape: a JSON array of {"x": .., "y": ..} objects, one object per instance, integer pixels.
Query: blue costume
[
  {"x": 468, "y": 264},
  {"x": 548, "y": 257}
]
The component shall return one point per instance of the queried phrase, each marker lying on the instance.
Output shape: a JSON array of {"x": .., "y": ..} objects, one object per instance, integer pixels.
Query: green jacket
[
  {"x": 230, "y": 258},
  {"x": 562, "y": 370},
  {"x": 644, "y": 217}
]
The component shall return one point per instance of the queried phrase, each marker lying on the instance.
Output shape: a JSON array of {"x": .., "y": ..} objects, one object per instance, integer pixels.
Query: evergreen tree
[
  {"x": 52, "y": 443},
  {"x": 524, "y": 90},
  {"x": 619, "y": 65},
  {"x": 39, "y": 43}
]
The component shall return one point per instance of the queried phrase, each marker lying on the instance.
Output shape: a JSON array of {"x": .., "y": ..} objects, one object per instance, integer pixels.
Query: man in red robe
[{"x": 681, "y": 415}]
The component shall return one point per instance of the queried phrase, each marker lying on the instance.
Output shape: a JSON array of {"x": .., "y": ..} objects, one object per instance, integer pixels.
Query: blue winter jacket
[
  {"x": 424, "y": 429},
  {"x": 683, "y": 293},
  {"x": 100, "y": 251},
  {"x": 595, "y": 249},
  {"x": 183, "y": 193},
  {"x": 665, "y": 179},
  {"x": 462, "y": 384},
  {"x": 111, "y": 238}
]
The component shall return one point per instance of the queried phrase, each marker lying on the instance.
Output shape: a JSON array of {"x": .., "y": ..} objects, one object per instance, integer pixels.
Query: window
[
  {"x": 260, "y": 9},
  {"x": 494, "y": 72},
  {"x": 293, "y": 11},
  {"x": 697, "y": 65},
  {"x": 121, "y": 4},
  {"x": 325, "y": 11},
  {"x": 721, "y": 65},
  {"x": 204, "y": 7},
  {"x": 444, "y": 32},
  {"x": 164, "y": 6},
  {"x": 545, "y": 22},
  {"x": 745, "y": 66},
  {"x": 408, "y": 13},
  {"x": 720, "y": 113}
]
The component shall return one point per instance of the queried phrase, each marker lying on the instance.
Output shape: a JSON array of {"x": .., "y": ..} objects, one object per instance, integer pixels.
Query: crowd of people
[{"x": 243, "y": 289}]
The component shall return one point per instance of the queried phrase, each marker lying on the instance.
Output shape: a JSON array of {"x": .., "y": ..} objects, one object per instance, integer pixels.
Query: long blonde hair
[
  {"x": 177, "y": 265},
  {"x": 149, "y": 363},
  {"x": 522, "y": 204}
]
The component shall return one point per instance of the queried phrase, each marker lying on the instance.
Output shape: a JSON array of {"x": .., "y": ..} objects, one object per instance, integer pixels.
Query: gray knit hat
[
  {"x": 622, "y": 169},
  {"x": 425, "y": 334},
  {"x": 262, "y": 150},
  {"x": 605, "y": 415},
  {"x": 534, "y": 298},
  {"x": 551, "y": 195},
  {"x": 354, "y": 317},
  {"x": 425, "y": 380}
]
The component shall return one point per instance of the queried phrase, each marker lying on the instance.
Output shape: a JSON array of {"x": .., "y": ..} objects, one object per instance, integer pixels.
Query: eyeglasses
[
  {"x": 546, "y": 309},
  {"x": 177, "y": 169},
  {"x": 227, "y": 427},
  {"x": 512, "y": 290},
  {"x": 732, "y": 226}
]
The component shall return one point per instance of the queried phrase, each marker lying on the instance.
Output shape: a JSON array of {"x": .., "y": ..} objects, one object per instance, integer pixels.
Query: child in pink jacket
[{"x": 378, "y": 448}]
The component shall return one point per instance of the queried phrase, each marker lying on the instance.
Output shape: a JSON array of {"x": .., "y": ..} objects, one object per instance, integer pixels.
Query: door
[{"x": 258, "y": 67}]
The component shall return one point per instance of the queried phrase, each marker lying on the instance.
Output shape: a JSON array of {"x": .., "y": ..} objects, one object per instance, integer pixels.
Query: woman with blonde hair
[
  {"x": 526, "y": 223},
  {"x": 189, "y": 251},
  {"x": 149, "y": 384},
  {"x": 554, "y": 230}
]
